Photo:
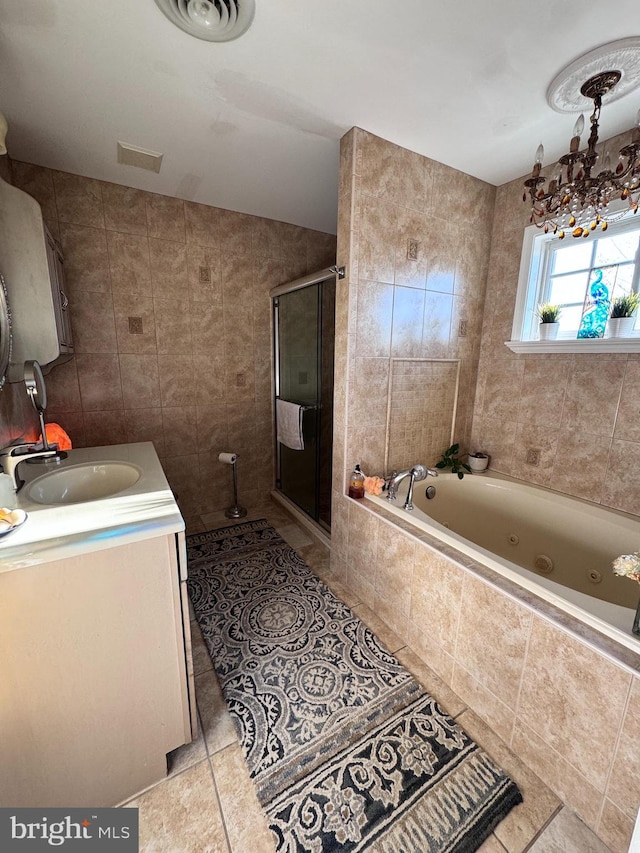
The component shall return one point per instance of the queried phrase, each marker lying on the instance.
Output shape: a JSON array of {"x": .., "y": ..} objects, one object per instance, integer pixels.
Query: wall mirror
[
  {"x": 421, "y": 410},
  {"x": 5, "y": 333}
]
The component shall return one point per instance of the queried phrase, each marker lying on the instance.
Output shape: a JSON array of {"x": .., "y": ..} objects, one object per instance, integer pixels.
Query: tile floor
[{"x": 207, "y": 803}]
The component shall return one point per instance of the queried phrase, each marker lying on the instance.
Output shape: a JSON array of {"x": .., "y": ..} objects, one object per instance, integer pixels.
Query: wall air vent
[
  {"x": 211, "y": 20},
  {"x": 131, "y": 155}
]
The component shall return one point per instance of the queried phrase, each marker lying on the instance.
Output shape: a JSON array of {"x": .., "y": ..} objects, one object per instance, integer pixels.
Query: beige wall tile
[
  {"x": 177, "y": 381},
  {"x": 78, "y": 199},
  {"x": 451, "y": 703},
  {"x": 125, "y": 209},
  {"x": 173, "y": 325},
  {"x": 168, "y": 260},
  {"x": 592, "y": 688},
  {"x": 86, "y": 261},
  {"x": 180, "y": 429},
  {"x": 63, "y": 390},
  {"x": 99, "y": 379},
  {"x": 129, "y": 264},
  {"x": 145, "y": 425},
  {"x": 202, "y": 224},
  {"x": 375, "y": 315},
  {"x": 93, "y": 322},
  {"x": 436, "y": 594},
  {"x": 622, "y": 486},
  {"x": 623, "y": 789},
  {"x": 139, "y": 377},
  {"x": 376, "y": 252},
  {"x": 615, "y": 828},
  {"x": 436, "y": 331},
  {"x": 38, "y": 182},
  {"x": 432, "y": 654},
  {"x": 165, "y": 217},
  {"x": 492, "y": 639},
  {"x": 592, "y": 394},
  {"x": 486, "y": 704},
  {"x": 102, "y": 428},
  {"x": 581, "y": 464},
  {"x": 408, "y": 313},
  {"x": 543, "y": 390},
  {"x": 565, "y": 781}
]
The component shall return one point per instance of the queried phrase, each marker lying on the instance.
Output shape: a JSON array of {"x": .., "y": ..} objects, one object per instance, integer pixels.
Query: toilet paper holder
[{"x": 234, "y": 511}]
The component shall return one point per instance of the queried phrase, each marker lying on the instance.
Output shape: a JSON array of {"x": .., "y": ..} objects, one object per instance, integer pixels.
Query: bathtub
[{"x": 558, "y": 547}]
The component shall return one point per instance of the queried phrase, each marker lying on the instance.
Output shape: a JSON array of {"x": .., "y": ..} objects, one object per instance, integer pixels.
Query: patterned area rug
[{"x": 347, "y": 751}]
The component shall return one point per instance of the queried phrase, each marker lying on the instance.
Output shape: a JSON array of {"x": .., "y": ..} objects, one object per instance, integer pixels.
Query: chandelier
[{"x": 577, "y": 199}]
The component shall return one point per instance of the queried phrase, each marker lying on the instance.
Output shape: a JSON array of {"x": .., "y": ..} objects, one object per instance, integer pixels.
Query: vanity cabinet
[
  {"x": 95, "y": 673},
  {"x": 32, "y": 266}
]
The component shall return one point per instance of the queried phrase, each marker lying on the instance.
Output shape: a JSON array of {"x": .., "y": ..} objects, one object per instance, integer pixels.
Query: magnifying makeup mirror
[{"x": 37, "y": 391}]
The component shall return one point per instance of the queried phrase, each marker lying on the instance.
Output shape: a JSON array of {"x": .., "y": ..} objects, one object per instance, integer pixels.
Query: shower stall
[{"x": 303, "y": 334}]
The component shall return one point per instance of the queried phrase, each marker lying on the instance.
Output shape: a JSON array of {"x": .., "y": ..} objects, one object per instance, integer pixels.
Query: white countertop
[{"x": 144, "y": 510}]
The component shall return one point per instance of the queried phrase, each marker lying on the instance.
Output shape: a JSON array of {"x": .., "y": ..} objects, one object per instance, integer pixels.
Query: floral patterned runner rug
[{"x": 346, "y": 750}]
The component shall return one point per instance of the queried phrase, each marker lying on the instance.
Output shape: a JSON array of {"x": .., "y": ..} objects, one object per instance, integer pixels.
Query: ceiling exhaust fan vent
[{"x": 211, "y": 20}]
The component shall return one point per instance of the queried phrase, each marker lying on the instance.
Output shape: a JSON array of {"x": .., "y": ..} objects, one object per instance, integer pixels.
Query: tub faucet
[
  {"x": 12, "y": 456},
  {"x": 415, "y": 474}
]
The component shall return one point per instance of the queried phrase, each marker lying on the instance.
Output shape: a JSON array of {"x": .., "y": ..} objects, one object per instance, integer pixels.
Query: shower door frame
[{"x": 276, "y": 292}]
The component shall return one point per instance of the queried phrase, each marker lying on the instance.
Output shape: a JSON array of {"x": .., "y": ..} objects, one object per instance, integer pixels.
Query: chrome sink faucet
[
  {"x": 12, "y": 456},
  {"x": 417, "y": 473}
]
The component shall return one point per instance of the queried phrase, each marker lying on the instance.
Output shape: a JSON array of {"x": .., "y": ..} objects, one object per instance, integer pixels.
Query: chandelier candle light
[{"x": 576, "y": 200}]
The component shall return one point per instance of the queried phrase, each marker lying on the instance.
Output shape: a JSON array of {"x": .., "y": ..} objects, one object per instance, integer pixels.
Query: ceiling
[{"x": 254, "y": 124}]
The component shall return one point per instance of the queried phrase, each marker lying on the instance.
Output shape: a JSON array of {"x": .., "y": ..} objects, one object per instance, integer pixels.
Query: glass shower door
[{"x": 304, "y": 329}]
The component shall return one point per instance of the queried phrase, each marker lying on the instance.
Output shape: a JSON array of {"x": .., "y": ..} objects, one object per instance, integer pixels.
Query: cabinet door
[{"x": 60, "y": 300}]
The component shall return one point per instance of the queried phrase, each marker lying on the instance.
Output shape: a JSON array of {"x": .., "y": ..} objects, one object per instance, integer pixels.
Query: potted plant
[
  {"x": 548, "y": 315},
  {"x": 450, "y": 459},
  {"x": 622, "y": 315},
  {"x": 478, "y": 462}
]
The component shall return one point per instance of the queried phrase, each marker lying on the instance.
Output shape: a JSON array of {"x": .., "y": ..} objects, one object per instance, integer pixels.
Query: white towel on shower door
[{"x": 289, "y": 424}]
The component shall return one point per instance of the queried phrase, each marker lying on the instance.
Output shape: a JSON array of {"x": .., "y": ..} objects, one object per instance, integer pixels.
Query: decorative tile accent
[
  {"x": 135, "y": 326},
  {"x": 413, "y": 250},
  {"x": 533, "y": 456}
]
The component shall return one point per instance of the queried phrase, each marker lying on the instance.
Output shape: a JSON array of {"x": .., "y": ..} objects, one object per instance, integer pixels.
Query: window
[{"x": 562, "y": 272}]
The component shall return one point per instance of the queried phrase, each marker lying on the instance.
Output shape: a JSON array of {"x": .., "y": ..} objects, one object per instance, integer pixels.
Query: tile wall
[
  {"x": 422, "y": 398},
  {"x": 172, "y": 327},
  {"x": 569, "y": 712},
  {"x": 579, "y": 412}
]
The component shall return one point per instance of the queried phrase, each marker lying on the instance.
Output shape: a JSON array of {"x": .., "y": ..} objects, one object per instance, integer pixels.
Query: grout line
[
  {"x": 614, "y": 753},
  {"x": 220, "y": 809},
  {"x": 545, "y": 826}
]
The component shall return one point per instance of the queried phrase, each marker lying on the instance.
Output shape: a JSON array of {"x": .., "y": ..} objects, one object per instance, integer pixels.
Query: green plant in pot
[
  {"x": 622, "y": 315},
  {"x": 450, "y": 459},
  {"x": 549, "y": 316}
]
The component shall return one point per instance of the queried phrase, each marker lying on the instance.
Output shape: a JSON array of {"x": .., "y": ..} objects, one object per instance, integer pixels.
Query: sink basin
[{"x": 87, "y": 482}]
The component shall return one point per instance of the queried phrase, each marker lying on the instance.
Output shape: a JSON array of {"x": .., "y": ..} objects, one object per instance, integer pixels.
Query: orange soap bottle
[{"x": 356, "y": 483}]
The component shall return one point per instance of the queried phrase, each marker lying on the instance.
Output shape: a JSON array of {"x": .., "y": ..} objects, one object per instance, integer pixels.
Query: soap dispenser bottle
[{"x": 356, "y": 483}]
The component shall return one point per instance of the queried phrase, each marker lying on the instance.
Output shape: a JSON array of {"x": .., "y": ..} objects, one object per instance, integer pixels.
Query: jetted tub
[{"x": 558, "y": 547}]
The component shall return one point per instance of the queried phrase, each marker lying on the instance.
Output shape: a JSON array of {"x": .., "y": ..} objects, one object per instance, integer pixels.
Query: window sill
[{"x": 577, "y": 345}]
